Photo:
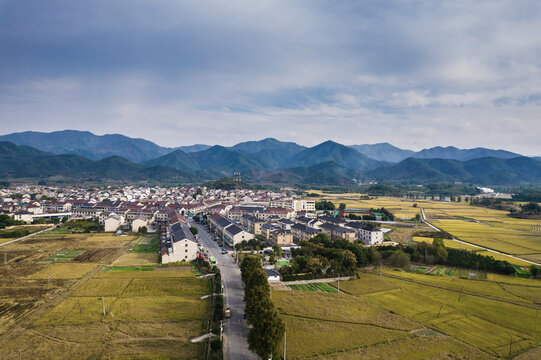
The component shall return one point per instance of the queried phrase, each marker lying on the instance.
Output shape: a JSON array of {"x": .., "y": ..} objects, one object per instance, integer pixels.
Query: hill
[
  {"x": 269, "y": 152},
  {"x": 337, "y": 153},
  {"x": 451, "y": 152},
  {"x": 326, "y": 173},
  {"x": 383, "y": 152},
  {"x": 482, "y": 171},
  {"x": 88, "y": 145},
  {"x": 193, "y": 148},
  {"x": 22, "y": 162}
]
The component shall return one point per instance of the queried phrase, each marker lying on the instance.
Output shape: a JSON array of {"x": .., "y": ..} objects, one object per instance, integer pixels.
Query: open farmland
[
  {"x": 341, "y": 326},
  {"x": 489, "y": 228},
  {"x": 57, "y": 297},
  {"x": 495, "y": 317}
]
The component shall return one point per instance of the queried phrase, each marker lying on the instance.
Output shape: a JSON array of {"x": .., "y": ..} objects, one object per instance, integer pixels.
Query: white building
[
  {"x": 139, "y": 222},
  {"x": 370, "y": 235},
  {"x": 113, "y": 222},
  {"x": 304, "y": 205},
  {"x": 180, "y": 245}
]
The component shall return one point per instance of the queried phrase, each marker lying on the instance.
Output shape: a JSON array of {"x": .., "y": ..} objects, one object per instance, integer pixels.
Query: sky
[{"x": 415, "y": 74}]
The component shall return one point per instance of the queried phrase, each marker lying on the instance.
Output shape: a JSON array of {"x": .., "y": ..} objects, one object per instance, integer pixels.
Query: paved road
[
  {"x": 27, "y": 236},
  {"x": 236, "y": 329}
]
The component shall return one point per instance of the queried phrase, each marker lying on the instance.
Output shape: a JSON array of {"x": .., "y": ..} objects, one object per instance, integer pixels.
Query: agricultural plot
[
  {"x": 506, "y": 240},
  {"x": 489, "y": 228},
  {"x": 486, "y": 318},
  {"x": 52, "y": 287},
  {"x": 314, "y": 287},
  {"x": 341, "y": 326}
]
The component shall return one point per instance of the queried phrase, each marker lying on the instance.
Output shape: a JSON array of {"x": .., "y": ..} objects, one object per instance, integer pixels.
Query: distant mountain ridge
[
  {"x": 264, "y": 160},
  {"x": 451, "y": 152},
  {"x": 24, "y": 162},
  {"x": 383, "y": 152},
  {"x": 483, "y": 171}
]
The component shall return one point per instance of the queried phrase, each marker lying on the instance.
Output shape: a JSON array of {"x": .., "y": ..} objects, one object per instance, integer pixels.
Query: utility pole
[
  {"x": 285, "y": 344},
  {"x": 221, "y": 329}
]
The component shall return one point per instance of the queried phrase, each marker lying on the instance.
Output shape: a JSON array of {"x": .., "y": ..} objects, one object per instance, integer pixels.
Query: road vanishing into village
[{"x": 235, "y": 328}]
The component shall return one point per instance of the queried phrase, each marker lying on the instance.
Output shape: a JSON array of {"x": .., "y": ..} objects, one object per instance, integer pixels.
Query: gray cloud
[{"x": 416, "y": 74}]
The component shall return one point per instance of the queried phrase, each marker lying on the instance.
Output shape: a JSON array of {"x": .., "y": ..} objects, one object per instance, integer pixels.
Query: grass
[
  {"x": 53, "y": 308},
  {"x": 130, "y": 268},
  {"x": 131, "y": 259},
  {"x": 63, "y": 271},
  {"x": 314, "y": 287},
  {"x": 481, "y": 322},
  {"x": 341, "y": 326}
]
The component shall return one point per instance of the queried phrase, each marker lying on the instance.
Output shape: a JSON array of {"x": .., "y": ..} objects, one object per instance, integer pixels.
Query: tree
[
  {"x": 142, "y": 230},
  {"x": 278, "y": 250},
  {"x": 399, "y": 259},
  {"x": 415, "y": 205},
  {"x": 194, "y": 230}
]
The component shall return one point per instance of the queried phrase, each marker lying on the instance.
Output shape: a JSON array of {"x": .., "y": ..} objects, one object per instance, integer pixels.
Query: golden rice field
[
  {"x": 452, "y": 244},
  {"x": 73, "y": 308},
  {"x": 483, "y": 314},
  {"x": 489, "y": 228},
  {"x": 342, "y": 326}
]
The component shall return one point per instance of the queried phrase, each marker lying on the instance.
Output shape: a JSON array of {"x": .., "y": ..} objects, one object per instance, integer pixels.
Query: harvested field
[
  {"x": 97, "y": 255},
  {"x": 131, "y": 259},
  {"x": 63, "y": 271}
]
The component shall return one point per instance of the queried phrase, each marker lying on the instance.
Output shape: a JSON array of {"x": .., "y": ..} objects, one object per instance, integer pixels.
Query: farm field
[
  {"x": 489, "y": 228},
  {"x": 55, "y": 289},
  {"x": 341, "y": 326},
  {"x": 484, "y": 314},
  {"x": 314, "y": 287},
  {"x": 452, "y": 244}
]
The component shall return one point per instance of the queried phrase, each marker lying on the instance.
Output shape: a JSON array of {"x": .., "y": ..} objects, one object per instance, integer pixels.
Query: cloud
[{"x": 416, "y": 74}]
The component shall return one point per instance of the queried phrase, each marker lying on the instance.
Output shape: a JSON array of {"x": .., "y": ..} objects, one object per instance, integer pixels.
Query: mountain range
[{"x": 79, "y": 154}]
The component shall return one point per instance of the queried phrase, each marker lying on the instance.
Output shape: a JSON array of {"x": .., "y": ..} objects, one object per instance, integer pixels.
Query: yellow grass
[
  {"x": 447, "y": 242},
  {"x": 336, "y": 307},
  {"x": 416, "y": 348},
  {"x": 137, "y": 259},
  {"x": 64, "y": 271}
]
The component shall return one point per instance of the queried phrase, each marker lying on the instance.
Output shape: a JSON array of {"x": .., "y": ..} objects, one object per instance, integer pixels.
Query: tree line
[{"x": 267, "y": 331}]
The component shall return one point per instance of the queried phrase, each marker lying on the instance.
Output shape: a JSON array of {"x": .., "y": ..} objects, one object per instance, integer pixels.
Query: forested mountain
[
  {"x": 23, "y": 162},
  {"x": 483, "y": 171},
  {"x": 383, "y": 152}
]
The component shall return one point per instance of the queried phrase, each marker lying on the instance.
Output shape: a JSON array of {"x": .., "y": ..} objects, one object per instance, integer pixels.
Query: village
[{"x": 235, "y": 217}]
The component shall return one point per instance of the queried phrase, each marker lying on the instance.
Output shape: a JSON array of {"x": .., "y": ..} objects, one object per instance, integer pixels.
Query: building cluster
[{"x": 281, "y": 218}]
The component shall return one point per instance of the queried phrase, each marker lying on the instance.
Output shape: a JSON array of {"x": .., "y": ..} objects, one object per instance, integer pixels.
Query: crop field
[
  {"x": 491, "y": 316},
  {"x": 489, "y": 228},
  {"x": 341, "y": 326},
  {"x": 314, "y": 287},
  {"x": 57, "y": 297}
]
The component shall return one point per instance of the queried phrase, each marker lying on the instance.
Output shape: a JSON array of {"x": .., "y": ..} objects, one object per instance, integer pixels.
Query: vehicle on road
[
  {"x": 224, "y": 251},
  {"x": 227, "y": 313},
  {"x": 213, "y": 261}
]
